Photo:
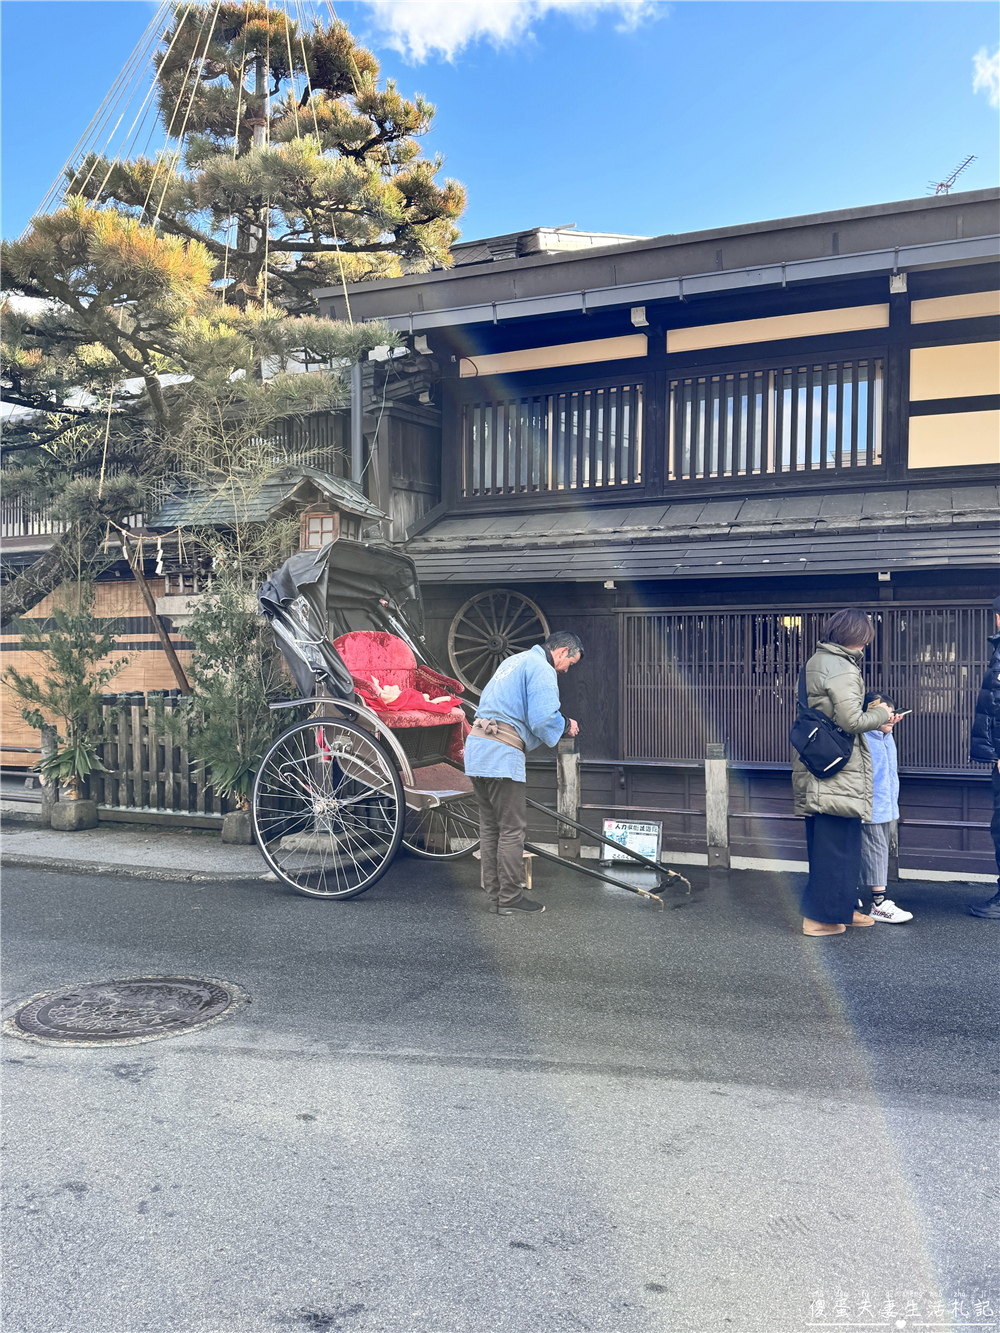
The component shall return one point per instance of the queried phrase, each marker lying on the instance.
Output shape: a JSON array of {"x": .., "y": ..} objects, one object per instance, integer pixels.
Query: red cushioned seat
[
  {"x": 368, "y": 653},
  {"x": 414, "y": 718}
]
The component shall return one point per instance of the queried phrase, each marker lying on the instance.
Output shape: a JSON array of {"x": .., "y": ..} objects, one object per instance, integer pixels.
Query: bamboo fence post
[
  {"x": 136, "y": 757},
  {"x": 169, "y": 766}
]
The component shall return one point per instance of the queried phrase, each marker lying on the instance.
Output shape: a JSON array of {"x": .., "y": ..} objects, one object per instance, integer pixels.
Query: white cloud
[
  {"x": 987, "y": 74},
  {"x": 421, "y": 28}
]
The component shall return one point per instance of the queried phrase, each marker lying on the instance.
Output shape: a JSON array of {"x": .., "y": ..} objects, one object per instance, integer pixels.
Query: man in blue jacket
[
  {"x": 985, "y": 749},
  {"x": 518, "y": 711}
]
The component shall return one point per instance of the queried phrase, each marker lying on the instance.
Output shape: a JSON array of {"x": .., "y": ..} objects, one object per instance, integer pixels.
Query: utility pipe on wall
[{"x": 357, "y": 426}]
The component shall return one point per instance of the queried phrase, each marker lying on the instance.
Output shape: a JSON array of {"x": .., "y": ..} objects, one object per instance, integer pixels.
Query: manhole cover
[{"x": 134, "y": 1009}]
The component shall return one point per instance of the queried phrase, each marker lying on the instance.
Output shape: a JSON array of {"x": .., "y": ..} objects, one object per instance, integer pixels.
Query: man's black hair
[
  {"x": 562, "y": 638},
  {"x": 872, "y": 695}
]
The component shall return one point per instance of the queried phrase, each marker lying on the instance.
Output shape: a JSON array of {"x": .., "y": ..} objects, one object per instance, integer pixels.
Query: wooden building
[
  {"x": 328, "y": 506},
  {"x": 690, "y": 448}
]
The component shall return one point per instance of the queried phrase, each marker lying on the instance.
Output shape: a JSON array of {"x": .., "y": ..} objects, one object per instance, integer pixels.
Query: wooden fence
[{"x": 148, "y": 761}]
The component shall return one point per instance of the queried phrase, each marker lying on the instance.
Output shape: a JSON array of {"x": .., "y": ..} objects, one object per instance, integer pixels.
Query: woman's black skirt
[{"x": 831, "y": 892}]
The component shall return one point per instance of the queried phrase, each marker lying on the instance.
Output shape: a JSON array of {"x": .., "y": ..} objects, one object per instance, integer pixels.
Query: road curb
[{"x": 65, "y": 865}]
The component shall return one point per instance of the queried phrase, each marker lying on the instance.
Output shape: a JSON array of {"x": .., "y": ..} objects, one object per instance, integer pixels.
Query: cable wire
[
  {"x": 187, "y": 114},
  {"x": 95, "y": 120}
]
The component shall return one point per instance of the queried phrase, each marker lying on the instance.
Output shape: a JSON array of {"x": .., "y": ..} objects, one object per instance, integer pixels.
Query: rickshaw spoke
[
  {"x": 436, "y": 833},
  {"x": 328, "y": 808}
]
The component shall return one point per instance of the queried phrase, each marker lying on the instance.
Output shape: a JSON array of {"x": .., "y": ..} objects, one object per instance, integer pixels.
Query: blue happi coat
[{"x": 524, "y": 692}]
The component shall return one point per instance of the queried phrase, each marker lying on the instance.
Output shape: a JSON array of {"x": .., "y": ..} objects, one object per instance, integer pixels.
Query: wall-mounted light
[
  {"x": 639, "y": 319},
  {"x": 885, "y": 576}
]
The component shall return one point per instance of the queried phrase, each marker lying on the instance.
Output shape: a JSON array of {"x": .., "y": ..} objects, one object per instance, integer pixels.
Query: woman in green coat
[{"x": 835, "y": 807}]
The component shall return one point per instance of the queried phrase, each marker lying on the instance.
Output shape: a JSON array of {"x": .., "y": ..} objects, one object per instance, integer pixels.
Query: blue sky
[{"x": 641, "y": 118}]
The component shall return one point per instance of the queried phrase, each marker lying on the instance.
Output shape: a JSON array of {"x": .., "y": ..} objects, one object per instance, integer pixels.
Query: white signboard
[{"x": 638, "y": 837}]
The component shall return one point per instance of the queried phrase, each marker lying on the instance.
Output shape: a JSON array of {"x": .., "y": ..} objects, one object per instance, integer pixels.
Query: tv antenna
[{"x": 944, "y": 187}]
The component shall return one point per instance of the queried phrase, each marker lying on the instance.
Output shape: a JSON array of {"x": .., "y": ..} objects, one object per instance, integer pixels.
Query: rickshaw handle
[{"x": 608, "y": 842}]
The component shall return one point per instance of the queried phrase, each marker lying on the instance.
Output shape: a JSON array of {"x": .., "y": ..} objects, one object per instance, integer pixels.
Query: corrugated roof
[{"x": 224, "y": 506}]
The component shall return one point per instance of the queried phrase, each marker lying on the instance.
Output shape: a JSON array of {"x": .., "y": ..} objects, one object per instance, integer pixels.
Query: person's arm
[
  {"x": 544, "y": 718},
  {"x": 846, "y": 694},
  {"x": 985, "y": 740}
]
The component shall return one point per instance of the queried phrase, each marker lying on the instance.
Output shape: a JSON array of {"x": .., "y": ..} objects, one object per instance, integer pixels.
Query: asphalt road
[{"x": 607, "y": 1117}]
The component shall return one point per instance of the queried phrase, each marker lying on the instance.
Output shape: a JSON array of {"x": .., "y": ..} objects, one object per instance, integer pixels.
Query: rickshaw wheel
[
  {"x": 434, "y": 833},
  {"x": 490, "y": 627},
  {"x": 328, "y": 808}
]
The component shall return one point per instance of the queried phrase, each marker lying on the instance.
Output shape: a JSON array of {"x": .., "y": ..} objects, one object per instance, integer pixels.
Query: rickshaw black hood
[{"x": 344, "y": 586}]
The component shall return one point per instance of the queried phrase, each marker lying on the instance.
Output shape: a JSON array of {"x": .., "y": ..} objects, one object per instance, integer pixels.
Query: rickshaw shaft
[
  {"x": 584, "y": 870},
  {"x": 608, "y": 842}
]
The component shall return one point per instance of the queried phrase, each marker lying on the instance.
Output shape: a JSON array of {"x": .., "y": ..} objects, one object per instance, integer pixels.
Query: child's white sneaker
[{"x": 887, "y": 910}]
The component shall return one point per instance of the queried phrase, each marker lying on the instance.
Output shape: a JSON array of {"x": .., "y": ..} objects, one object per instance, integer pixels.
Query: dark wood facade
[{"x": 790, "y": 438}]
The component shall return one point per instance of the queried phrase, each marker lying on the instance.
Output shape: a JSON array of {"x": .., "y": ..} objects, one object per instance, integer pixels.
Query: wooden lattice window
[
  {"x": 693, "y": 677},
  {"x": 319, "y": 526},
  {"x": 820, "y": 416},
  {"x": 587, "y": 439}
]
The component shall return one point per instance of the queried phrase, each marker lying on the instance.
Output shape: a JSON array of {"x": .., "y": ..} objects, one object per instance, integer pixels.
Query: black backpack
[{"x": 821, "y": 745}]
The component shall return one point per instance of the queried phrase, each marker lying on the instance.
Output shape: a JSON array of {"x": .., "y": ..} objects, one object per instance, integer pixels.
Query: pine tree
[
  {"x": 290, "y": 165},
  {"x": 95, "y": 305},
  {"x": 155, "y": 321}
]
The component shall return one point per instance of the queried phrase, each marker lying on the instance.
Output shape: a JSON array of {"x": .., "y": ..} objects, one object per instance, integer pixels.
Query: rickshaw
[{"x": 378, "y": 764}]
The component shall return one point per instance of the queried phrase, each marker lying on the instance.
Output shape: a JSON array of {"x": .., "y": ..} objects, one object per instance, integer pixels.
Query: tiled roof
[
  {"x": 767, "y": 535},
  {"x": 224, "y": 506}
]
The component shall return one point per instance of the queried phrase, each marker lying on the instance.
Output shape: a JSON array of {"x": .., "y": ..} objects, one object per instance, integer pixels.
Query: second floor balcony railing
[
  {"x": 801, "y": 418},
  {"x": 783, "y": 419},
  {"x": 588, "y": 440}
]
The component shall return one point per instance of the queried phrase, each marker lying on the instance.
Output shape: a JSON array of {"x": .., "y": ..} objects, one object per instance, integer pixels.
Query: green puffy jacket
[{"x": 835, "y": 686}]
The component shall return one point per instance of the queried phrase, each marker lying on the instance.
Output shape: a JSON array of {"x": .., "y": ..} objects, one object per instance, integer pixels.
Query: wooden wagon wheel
[{"x": 489, "y": 627}]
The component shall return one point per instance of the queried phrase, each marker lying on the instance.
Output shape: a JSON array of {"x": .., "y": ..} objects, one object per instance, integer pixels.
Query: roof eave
[{"x": 676, "y": 239}]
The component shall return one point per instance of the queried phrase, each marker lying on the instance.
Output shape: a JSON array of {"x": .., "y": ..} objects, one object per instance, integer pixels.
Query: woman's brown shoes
[
  {"x": 820, "y": 927},
  {"x": 828, "y": 928}
]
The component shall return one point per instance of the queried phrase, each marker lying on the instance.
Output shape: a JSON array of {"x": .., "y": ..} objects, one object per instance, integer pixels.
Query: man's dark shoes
[
  {"x": 989, "y": 909},
  {"x": 522, "y": 905}
]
